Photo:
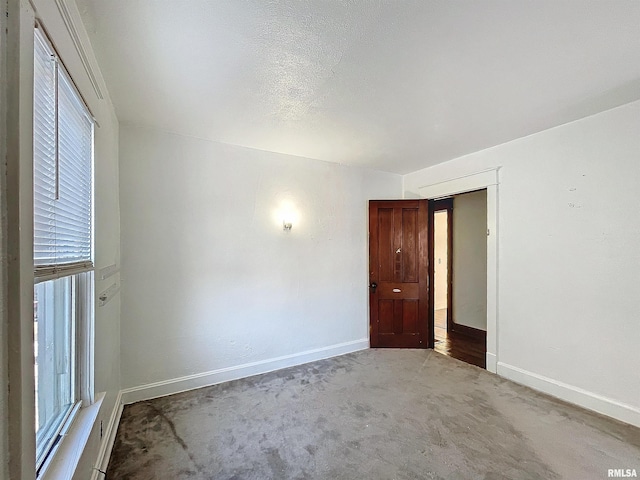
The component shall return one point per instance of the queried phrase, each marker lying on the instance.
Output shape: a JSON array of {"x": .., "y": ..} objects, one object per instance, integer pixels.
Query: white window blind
[{"x": 63, "y": 177}]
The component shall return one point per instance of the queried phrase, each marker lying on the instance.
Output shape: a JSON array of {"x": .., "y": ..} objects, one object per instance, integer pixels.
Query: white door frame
[{"x": 486, "y": 179}]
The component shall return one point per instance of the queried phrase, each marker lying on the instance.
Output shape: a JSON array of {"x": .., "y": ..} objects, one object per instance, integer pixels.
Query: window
[{"x": 62, "y": 249}]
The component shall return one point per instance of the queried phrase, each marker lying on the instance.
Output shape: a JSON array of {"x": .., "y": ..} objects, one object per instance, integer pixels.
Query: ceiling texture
[{"x": 395, "y": 85}]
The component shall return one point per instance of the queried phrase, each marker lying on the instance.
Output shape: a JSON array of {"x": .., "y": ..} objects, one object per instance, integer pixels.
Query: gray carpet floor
[{"x": 375, "y": 414}]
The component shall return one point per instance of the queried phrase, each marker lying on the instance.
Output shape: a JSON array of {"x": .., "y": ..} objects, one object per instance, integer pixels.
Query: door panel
[
  {"x": 410, "y": 316},
  {"x": 386, "y": 242},
  {"x": 398, "y": 269},
  {"x": 409, "y": 245},
  {"x": 385, "y": 309}
]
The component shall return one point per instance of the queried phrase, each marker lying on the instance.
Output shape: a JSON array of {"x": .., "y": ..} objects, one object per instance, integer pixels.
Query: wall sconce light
[{"x": 286, "y": 213}]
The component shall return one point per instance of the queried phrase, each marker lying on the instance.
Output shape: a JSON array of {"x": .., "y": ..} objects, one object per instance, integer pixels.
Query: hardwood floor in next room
[{"x": 458, "y": 345}]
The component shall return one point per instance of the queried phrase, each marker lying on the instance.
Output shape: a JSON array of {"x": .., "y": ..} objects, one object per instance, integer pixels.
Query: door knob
[{"x": 373, "y": 287}]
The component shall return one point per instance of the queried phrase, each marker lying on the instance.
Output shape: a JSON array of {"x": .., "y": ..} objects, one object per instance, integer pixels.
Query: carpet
[{"x": 374, "y": 414}]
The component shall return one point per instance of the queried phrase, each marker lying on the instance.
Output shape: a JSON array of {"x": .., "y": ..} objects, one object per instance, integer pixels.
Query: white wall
[
  {"x": 470, "y": 259},
  {"x": 211, "y": 280},
  {"x": 569, "y": 263},
  {"x": 441, "y": 266},
  {"x": 62, "y": 22}
]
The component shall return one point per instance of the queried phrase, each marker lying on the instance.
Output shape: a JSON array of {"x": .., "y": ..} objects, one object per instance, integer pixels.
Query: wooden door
[{"x": 398, "y": 270}]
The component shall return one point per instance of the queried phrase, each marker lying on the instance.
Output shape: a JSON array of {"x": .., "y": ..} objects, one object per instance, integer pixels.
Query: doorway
[
  {"x": 442, "y": 266},
  {"x": 398, "y": 321},
  {"x": 447, "y": 186},
  {"x": 458, "y": 266}
]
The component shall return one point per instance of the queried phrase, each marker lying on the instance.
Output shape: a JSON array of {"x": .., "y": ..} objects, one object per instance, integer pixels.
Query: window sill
[{"x": 64, "y": 460}]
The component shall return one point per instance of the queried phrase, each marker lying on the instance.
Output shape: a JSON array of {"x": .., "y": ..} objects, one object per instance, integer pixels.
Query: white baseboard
[
  {"x": 569, "y": 393},
  {"x": 108, "y": 438},
  {"x": 492, "y": 362},
  {"x": 205, "y": 379}
]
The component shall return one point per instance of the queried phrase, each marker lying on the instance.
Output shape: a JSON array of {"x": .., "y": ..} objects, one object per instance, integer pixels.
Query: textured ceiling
[{"x": 392, "y": 85}]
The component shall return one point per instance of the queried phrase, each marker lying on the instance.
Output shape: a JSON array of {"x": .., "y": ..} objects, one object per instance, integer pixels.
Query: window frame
[
  {"x": 46, "y": 310},
  {"x": 82, "y": 280},
  {"x": 84, "y": 393}
]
